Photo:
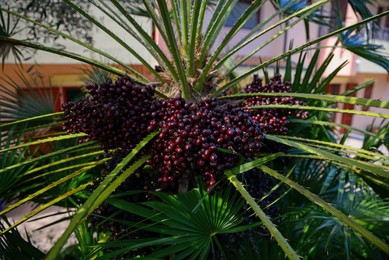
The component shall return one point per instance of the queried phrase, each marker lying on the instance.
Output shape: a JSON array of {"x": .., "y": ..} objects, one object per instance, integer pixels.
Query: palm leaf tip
[
  {"x": 8, "y": 29},
  {"x": 357, "y": 44},
  {"x": 13, "y": 245}
]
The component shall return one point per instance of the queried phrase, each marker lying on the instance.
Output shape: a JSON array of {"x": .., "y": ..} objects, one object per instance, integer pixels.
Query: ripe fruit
[
  {"x": 117, "y": 114},
  {"x": 272, "y": 120},
  {"x": 208, "y": 127},
  {"x": 193, "y": 136}
]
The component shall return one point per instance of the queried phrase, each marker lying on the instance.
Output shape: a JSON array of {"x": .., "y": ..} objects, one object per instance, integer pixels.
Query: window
[
  {"x": 238, "y": 10},
  {"x": 72, "y": 94}
]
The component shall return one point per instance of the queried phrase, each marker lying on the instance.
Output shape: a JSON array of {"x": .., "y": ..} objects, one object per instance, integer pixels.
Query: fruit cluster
[
  {"x": 192, "y": 136},
  {"x": 272, "y": 120},
  {"x": 114, "y": 113},
  {"x": 195, "y": 138},
  {"x": 119, "y": 114}
]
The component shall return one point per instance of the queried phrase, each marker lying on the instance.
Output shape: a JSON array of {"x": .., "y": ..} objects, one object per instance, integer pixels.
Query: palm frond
[
  {"x": 325, "y": 233},
  {"x": 228, "y": 85},
  {"x": 25, "y": 100},
  {"x": 95, "y": 75},
  {"x": 190, "y": 223},
  {"x": 10, "y": 158},
  {"x": 13, "y": 245},
  {"x": 101, "y": 193},
  {"x": 336, "y": 213},
  {"x": 355, "y": 42},
  {"x": 9, "y": 28}
]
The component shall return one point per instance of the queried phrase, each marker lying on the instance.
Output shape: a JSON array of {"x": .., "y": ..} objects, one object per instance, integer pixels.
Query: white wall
[{"x": 102, "y": 41}]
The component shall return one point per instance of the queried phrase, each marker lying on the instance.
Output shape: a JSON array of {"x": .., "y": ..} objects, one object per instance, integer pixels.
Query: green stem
[
  {"x": 105, "y": 29},
  {"x": 322, "y": 97},
  {"x": 326, "y": 109},
  {"x": 57, "y": 32},
  {"x": 30, "y": 119},
  {"x": 174, "y": 49},
  {"x": 264, "y": 218},
  {"x": 42, "y": 141},
  {"x": 302, "y": 14},
  {"x": 193, "y": 40},
  {"x": 252, "y": 35},
  {"x": 45, "y": 206},
  {"x": 184, "y": 25},
  {"x": 67, "y": 54},
  {"x": 140, "y": 34},
  {"x": 255, "y": 5}
]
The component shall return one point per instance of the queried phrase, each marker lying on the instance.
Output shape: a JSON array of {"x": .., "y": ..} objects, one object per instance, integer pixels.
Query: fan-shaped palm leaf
[
  {"x": 13, "y": 245},
  {"x": 191, "y": 223},
  {"x": 27, "y": 99}
]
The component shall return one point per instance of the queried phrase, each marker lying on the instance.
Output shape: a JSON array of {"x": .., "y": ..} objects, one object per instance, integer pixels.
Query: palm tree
[{"x": 214, "y": 197}]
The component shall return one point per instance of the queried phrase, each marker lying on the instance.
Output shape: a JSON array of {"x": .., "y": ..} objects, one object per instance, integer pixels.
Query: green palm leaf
[
  {"x": 353, "y": 41},
  {"x": 101, "y": 193},
  {"x": 18, "y": 101},
  {"x": 295, "y": 50},
  {"x": 340, "y": 216},
  {"x": 12, "y": 245},
  {"x": 190, "y": 223},
  {"x": 9, "y": 159}
]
